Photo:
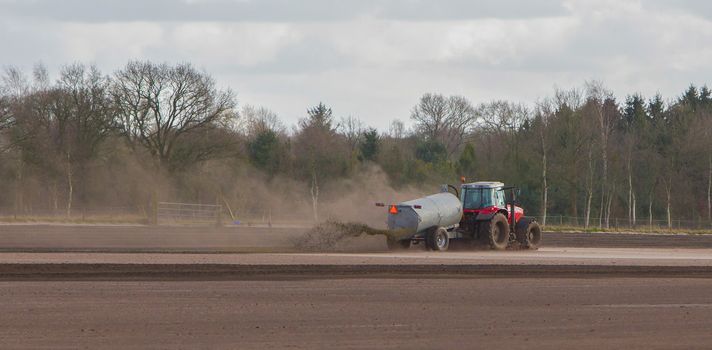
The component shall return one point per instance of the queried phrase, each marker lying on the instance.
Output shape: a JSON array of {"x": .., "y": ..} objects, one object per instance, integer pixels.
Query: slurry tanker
[{"x": 477, "y": 212}]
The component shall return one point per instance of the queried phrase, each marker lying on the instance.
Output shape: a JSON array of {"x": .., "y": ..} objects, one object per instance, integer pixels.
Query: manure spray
[{"x": 331, "y": 235}]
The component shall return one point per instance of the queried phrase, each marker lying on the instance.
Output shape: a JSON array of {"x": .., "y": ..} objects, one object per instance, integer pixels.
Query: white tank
[{"x": 418, "y": 215}]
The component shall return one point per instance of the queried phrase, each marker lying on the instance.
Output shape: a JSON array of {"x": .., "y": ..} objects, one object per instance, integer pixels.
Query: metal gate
[{"x": 188, "y": 214}]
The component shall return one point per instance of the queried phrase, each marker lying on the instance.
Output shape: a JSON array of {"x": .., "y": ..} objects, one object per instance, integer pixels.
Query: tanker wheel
[
  {"x": 496, "y": 232},
  {"x": 437, "y": 239},
  {"x": 394, "y": 244},
  {"x": 530, "y": 236}
]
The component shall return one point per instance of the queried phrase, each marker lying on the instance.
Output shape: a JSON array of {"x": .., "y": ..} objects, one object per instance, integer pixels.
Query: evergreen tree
[
  {"x": 369, "y": 145},
  {"x": 634, "y": 112},
  {"x": 264, "y": 151},
  {"x": 319, "y": 116},
  {"x": 690, "y": 99},
  {"x": 705, "y": 96},
  {"x": 467, "y": 164},
  {"x": 431, "y": 151}
]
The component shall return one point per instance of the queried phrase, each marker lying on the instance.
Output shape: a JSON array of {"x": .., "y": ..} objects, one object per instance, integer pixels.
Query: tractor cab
[
  {"x": 487, "y": 198},
  {"x": 489, "y": 215}
]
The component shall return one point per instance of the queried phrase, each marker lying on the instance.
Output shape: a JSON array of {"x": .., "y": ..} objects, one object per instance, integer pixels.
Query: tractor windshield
[{"x": 476, "y": 198}]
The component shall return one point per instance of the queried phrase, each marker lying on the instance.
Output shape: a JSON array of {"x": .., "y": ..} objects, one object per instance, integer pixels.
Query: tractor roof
[{"x": 483, "y": 184}]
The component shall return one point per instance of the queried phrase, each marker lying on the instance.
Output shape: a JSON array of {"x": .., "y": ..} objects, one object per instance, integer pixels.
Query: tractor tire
[
  {"x": 495, "y": 232},
  {"x": 528, "y": 233},
  {"x": 437, "y": 239},
  {"x": 394, "y": 244}
]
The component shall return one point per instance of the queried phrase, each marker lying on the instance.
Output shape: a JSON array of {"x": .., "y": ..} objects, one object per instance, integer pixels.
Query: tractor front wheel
[{"x": 529, "y": 234}]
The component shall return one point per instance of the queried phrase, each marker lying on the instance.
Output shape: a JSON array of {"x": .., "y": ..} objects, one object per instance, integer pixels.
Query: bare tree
[
  {"x": 14, "y": 85},
  {"x": 586, "y": 132},
  {"x": 23, "y": 104},
  {"x": 503, "y": 117},
  {"x": 444, "y": 119},
  {"x": 460, "y": 121},
  {"x": 706, "y": 128},
  {"x": 504, "y": 120},
  {"x": 668, "y": 201},
  {"x": 14, "y": 82},
  {"x": 259, "y": 119},
  {"x": 430, "y": 115},
  {"x": 82, "y": 111},
  {"x": 600, "y": 99},
  {"x": 397, "y": 129},
  {"x": 570, "y": 143},
  {"x": 352, "y": 128},
  {"x": 6, "y": 122},
  {"x": 544, "y": 112},
  {"x": 629, "y": 144},
  {"x": 159, "y": 104},
  {"x": 709, "y": 187}
]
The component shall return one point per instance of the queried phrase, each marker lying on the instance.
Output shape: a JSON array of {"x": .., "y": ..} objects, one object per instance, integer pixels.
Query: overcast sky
[{"x": 373, "y": 59}]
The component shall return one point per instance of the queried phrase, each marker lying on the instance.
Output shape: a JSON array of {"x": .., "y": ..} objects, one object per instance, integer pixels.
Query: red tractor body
[
  {"x": 489, "y": 217},
  {"x": 486, "y": 198}
]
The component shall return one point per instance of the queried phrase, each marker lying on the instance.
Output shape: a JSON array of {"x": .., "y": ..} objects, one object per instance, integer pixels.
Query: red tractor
[
  {"x": 488, "y": 217},
  {"x": 479, "y": 211}
]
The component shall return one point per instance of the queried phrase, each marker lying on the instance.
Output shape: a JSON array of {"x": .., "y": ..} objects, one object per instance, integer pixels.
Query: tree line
[{"x": 93, "y": 139}]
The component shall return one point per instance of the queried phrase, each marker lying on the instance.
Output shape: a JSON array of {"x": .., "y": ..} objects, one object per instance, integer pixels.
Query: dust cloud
[
  {"x": 351, "y": 213},
  {"x": 285, "y": 201},
  {"x": 347, "y": 217},
  {"x": 346, "y": 211}
]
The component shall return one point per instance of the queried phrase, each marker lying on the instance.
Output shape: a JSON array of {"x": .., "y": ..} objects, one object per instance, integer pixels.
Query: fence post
[
  {"x": 154, "y": 209},
  {"x": 219, "y": 217}
]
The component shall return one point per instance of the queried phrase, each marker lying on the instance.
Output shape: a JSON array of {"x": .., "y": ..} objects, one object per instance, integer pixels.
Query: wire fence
[
  {"x": 624, "y": 223},
  {"x": 157, "y": 213},
  {"x": 74, "y": 212},
  {"x": 171, "y": 213},
  {"x": 188, "y": 213}
]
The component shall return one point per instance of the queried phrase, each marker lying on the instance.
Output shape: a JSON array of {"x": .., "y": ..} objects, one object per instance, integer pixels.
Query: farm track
[
  {"x": 274, "y": 272},
  {"x": 625, "y": 240}
]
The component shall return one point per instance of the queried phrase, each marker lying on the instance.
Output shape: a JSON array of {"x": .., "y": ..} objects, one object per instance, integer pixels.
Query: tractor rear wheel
[
  {"x": 529, "y": 234},
  {"x": 437, "y": 239},
  {"x": 496, "y": 232},
  {"x": 394, "y": 244}
]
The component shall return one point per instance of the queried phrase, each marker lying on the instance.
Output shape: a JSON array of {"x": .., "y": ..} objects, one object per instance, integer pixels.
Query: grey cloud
[
  {"x": 374, "y": 69},
  {"x": 700, "y": 8},
  {"x": 277, "y": 10}
]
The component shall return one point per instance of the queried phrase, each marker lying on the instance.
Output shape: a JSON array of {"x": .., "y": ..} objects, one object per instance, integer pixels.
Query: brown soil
[
  {"x": 41, "y": 272},
  {"x": 103, "y": 238},
  {"x": 506, "y": 313}
]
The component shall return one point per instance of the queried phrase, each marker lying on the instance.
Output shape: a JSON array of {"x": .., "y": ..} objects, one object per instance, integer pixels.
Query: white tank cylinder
[{"x": 418, "y": 215}]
